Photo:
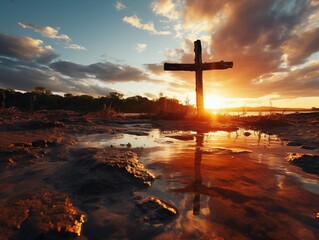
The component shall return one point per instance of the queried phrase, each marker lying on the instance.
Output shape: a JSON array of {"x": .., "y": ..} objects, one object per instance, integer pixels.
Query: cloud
[
  {"x": 261, "y": 37},
  {"x": 103, "y": 71},
  {"x": 23, "y": 75},
  {"x": 157, "y": 69},
  {"x": 301, "y": 46},
  {"x": 166, "y": 8},
  {"x": 141, "y": 47},
  {"x": 25, "y": 48},
  {"x": 299, "y": 82},
  {"x": 151, "y": 96},
  {"x": 49, "y": 32},
  {"x": 53, "y": 33},
  {"x": 119, "y": 5},
  {"x": 25, "y": 63},
  {"x": 136, "y": 22}
]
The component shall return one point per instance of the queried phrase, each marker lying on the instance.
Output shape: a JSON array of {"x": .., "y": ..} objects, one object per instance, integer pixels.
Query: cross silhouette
[{"x": 198, "y": 67}]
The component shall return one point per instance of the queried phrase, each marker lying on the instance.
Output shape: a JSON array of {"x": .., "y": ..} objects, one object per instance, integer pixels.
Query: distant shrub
[{"x": 171, "y": 108}]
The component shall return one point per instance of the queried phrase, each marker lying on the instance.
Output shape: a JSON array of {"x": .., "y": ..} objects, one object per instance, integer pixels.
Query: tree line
[{"x": 43, "y": 99}]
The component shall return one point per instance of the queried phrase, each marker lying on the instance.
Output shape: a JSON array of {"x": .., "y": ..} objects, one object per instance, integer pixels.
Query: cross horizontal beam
[{"x": 197, "y": 67}]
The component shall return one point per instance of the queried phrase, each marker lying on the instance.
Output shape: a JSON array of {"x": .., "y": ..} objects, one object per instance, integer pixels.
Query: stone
[
  {"x": 307, "y": 162},
  {"x": 184, "y": 137},
  {"x": 43, "y": 215},
  {"x": 39, "y": 143},
  {"x": 247, "y": 134},
  {"x": 154, "y": 211},
  {"x": 96, "y": 171}
]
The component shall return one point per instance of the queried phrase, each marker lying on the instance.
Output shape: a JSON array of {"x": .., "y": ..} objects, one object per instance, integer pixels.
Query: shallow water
[{"x": 234, "y": 185}]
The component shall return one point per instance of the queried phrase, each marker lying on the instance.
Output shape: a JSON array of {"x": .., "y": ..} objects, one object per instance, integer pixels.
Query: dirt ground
[{"x": 45, "y": 136}]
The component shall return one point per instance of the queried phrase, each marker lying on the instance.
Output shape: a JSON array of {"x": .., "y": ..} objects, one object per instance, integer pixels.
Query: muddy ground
[{"x": 72, "y": 182}]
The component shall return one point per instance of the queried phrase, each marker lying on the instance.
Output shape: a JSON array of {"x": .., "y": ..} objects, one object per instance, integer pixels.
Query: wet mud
[{"x": 72, "y": 176}]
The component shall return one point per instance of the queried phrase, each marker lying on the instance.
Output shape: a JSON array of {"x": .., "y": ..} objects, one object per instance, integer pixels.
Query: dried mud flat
[{"x": 48, "y": 187}]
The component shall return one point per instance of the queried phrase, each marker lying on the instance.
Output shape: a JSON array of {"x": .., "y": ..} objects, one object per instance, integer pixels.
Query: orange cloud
[
  {"x": 166, "y": 8},
  {"x": 262, "y": 38}
]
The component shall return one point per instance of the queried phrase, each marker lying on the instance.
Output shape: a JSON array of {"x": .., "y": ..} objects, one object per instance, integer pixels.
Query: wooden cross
[{"x": 198, "y": 67}]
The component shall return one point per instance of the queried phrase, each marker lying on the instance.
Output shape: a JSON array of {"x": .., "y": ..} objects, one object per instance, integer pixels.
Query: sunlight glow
[{"x": 215, "y": 102}]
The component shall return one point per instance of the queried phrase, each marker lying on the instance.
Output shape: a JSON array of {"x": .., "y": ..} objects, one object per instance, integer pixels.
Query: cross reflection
[
  {"x": 197, "y": 172},
  {"x": 196, "y": 186}
]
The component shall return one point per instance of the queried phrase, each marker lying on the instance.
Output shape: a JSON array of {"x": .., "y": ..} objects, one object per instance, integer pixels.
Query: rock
[
  {"x": 39, "y": 143},
  {"x": 223, "y": 151},
  {"x": 307, "y": 147},
  {"x": 294, "y": 143},
  {"x": 96, "y": 171},
  {"x": 43, "y": 215},
  {"x": 38, "y": 124},
  {"x": 154, "y": 211},
  {"x": 182, "y": 137},
  {"x": 308, "y": 163},
  {"x": 247, "y": 134},
  {"x": 27, "y": 144}
]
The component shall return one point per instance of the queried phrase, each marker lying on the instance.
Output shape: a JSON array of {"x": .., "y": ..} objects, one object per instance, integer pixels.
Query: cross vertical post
[
  {"x": 199, "y": 78},
  {"x": 198, "y": 67}
]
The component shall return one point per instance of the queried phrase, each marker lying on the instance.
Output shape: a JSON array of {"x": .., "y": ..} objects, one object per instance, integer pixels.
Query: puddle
[
  {"x": 120, "y": 140},
  {"x": 234, "y": 185}
]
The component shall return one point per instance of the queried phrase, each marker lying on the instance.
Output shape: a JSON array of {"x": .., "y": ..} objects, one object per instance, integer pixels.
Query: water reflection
[
  {"x": 197, "y": 170},
  {"x": 256, "y": 194},
  {"x": 197, "y": 187}
]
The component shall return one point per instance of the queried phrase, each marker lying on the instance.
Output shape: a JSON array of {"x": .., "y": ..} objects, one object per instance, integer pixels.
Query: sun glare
[{"x": 215, "y": 102}]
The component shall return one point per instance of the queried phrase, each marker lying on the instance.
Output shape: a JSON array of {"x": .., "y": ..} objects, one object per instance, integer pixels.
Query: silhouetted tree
[
  {"x": 42, "y": 90},
  {"x": 3, "y": 98}
]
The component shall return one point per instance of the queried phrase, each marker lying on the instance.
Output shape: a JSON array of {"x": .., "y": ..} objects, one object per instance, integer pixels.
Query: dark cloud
[
  {"x": 104, "y": 71},
  {"x": 26, "y": 48},
  {"x": 301, "y": 46},
  {"x": 19, "y": 75},
  {"x": 155, "y": 68},
  {"x": 299, "y": 82},
  {"x": 70, "y": 69},
  {"x": 25, "y": 64},
  {"x": 24, "y": 75}
]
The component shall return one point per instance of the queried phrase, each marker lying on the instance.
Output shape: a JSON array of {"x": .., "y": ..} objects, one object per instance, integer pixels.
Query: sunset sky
[{"x": 96, "y": 47}]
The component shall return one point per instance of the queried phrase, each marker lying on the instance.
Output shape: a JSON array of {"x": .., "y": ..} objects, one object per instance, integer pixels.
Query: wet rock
[
  {"x": 16, "y": 156},
  {"x": 308, "y": 163},
  {"x": 247, "y": 134},
  {"x": 137, "y": 132},
  {"x": 44, "y": 215},
  {"x": 155, "y": 211},
  {"x": 307, "y": 147},
  {"x": 7, "y": 163},
  {"x": 182, "y": 137},
  {"x": 27, "y": 144},
  {"x": 294, "y": 143},
  {"x": 222, "y": 151},
  {"x": 38, "y": 124},
  {"x": 40, "y": 143},
  {"x": 97, "y": 171}
]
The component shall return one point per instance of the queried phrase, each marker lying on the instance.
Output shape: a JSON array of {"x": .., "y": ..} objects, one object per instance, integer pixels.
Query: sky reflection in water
[{"x": 226, "y": 185}]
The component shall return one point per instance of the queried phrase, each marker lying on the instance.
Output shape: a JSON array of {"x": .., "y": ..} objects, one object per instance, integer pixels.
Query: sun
[{"x": 215, "y": 102}]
